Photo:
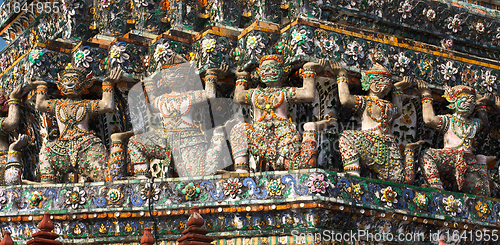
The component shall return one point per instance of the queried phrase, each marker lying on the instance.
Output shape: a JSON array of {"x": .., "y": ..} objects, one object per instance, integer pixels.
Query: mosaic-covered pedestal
[{"x": 254, "y": 208}]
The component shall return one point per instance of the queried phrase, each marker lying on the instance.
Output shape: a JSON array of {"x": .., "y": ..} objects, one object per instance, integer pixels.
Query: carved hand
[
  {"x": 405, "y": 83},
  {"x": 116, "y": 73},
  {"x": 17, "y": 93},
  {"x": 486, "y": 99},
  {"x": 19, "y": 143},
  {"x": 497, "y": 103},
  {"x": 321, "y": 65},
  {"x": 242, "y": 73},
  {"x": 336, "y": 68},
  {"x": 33, "y": 84},
  {"x": 221, "y": 72},
  {"x": 422, "y": 88}
]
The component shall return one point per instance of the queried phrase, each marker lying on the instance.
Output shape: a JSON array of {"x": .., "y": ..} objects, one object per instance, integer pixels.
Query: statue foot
[
  {"x": 29, "y": 182},
  {"x": 134, "y": 177},
  {"x": 19, "y": 143},
  {"x": 122, "y": 136},
  {"x": 238, "y": 171},
  {"x": 353, "y": 173},
  {"x": 439, "y": 187},
  {"x": 320, "y": 125},
  {"x": 413, "y": 146},
  {"x": 219, "y": 130}
]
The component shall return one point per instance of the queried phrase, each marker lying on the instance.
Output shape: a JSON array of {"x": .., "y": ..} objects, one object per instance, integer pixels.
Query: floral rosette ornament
[
  {"x": 191, "y": 191},
  {"x": 208, "y": 45},
  {"x": 402, "y": 62},
  {"x": 35, "y": 57},
  {"x": 405, "y": 9},
  {"x": 82, "y": 57},
  {"x": 280, "y": 48},
  {"x": 452, "y": 206},
  {"x": 489, "y": 81},
  {"x": 354, "y": 52},
  {"x": 421, "y": 200},
  {"x": 355, "y": 191},
  {"x": 35, "y": 199},
  {"x": 298, "y": 37},
  {"x": 236, "y": 54},
  {"x": 425, "y": 67},
  {"x": 275, "y": 187},
  {"x": 387, "y": 195},
  {"x": 479, "y": 27},
  {"x": 232, "y": 187},
  {"x": 114, "y": 196},
  {"x": 454, "y": 23},
  {"x": 317, "y": 184},
  {"x": 106, "y": 3},
  {"x": 255, "y": 45},
  {"x": 448, "y": 71},
  {"x": 447, "y": 43},
  {"x": 75, "y": 197},
  {"x": 378, "y": 56},
  {"x": 300, "y": 42},
  {"x": 430, "y": 14},
  {"x": 117, "y": 53},
  {"x": 152, "y": 190},
  {"x": 162, "y": 52},
  {"x": 3, "y": 198},
  {"x": 328, "y": 44},
  {"x": 482, "y": 209}
]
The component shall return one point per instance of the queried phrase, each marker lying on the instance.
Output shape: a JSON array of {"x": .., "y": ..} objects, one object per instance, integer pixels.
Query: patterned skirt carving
[
  {"x": 189, "y": 149},
  {"x": 276, "y": 145},
  {"x": 457, "y": 165},
  {"x": 83, "y": 153},
  {"x": 379, "y": 153}
]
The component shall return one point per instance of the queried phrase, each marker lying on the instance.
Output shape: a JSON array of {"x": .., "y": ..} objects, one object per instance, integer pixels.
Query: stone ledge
[{"x": 271, "y": 202}]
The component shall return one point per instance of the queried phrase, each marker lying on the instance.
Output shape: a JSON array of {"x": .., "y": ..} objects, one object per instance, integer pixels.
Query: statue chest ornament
[
  {"x": 269, "y": 100},
  {"x": 463, "y": 129},
  {"x": 71, "y": 114},
  {"x": 387, "y": 111},
  {"x": 174, "y": 110}
]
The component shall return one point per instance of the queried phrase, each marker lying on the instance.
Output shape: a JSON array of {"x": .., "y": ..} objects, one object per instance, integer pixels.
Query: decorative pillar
[
  {"x": 147, "y": 238},
  {"x": 195, "y": 235},
  {"x": 45, "y": 235},
  {"x": 6, "y": 240}
]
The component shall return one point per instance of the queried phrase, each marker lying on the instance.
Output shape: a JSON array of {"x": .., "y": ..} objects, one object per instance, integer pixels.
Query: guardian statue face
[
  {"x": 74, "y": 82},
  {"x": 378, "y": 80},
  {"x": 271, "y": 71},
  {"x": 381, "y": 85},
  {"x": 462, "y": 98}
]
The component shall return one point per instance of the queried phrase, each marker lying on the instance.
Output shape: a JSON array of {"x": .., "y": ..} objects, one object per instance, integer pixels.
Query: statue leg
[
  {"x": 349, "y": 153},
  {"x": 142, "y": 148},
  {"x": 116, "y": 160},
  {"x": 239, "y": 145},
  {"x": 307, "y": 157},
  {"x": 12, "y": 174},
  {"x": 214, "y": 151},
  {"x": 476, "y": 178},
  {"x": 92, "y": 160},
  {"x": 409, "y": 169},
  {"x": 431, "y": 171}
]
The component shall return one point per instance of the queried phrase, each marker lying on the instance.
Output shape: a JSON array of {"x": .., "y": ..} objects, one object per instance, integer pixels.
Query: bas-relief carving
[{"x": 271, "y": 139}]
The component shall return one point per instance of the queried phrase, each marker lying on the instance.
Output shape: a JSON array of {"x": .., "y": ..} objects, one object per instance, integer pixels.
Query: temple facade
[{"x": 320, "y": 118}]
